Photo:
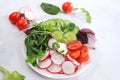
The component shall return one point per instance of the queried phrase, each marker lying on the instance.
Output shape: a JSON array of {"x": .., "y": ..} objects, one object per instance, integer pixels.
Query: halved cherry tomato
[
  {"x": 74, "y": 45},
  {"x": 84, "y": 48},
  {"x": 22, "y": 24},
  {"x": 82, "y": 59},
  {"x": 67, "y": 7},
  {"x": 74, "y": 54},
  {"x": 84, "y": 56},
  {"x": 14, "y": 17}
]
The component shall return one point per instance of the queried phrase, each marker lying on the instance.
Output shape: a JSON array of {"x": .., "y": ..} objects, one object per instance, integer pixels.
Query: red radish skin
[
  {"x": 45, "y": 64},
  {"x": 57, "y": 59},
  {"x": 61, "y": 72},
  {"x": 68, "y": 67},
  {"x": 50, "y": 42},
  {"x": 54, "y": 69},
  {"x": 76, "y": 67},
  {"x": 47, "y": 55},
  {"x": 72, "y": 60}
]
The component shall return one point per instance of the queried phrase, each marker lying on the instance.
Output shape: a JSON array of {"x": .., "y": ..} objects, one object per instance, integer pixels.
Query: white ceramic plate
[{"x": 85, "y": 67}]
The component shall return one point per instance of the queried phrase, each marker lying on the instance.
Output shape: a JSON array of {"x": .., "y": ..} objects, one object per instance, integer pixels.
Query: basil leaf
[
  {"x": 55, "y": 46},
  {"x": 50, "y": 9},
  {"x": 87, "y": 15}
]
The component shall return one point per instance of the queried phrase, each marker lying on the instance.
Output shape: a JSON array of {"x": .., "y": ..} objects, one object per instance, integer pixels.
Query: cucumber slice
[
  {"x": 67, "y": 22},
  {"x": 57, "y": 35},
  {"x": 50, "y": 25},
  {"x": 76, "y": 29},
  {"x": 70, "y": 36},
  {"x": 60, "y": 22}
]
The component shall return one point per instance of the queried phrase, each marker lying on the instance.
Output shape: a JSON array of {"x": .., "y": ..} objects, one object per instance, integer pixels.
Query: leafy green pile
[
  {"x": 36, "y": 44},
  {"x": 11, "y": 76}
]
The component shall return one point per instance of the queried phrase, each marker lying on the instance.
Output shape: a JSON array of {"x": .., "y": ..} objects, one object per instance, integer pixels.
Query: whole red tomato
[
  {"x": 22, "y": 24},
  {"x": 67, "y": 7},
  {"x": 14, "y": 17}
]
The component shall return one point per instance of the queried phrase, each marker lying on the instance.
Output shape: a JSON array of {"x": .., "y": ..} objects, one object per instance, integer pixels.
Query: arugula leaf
[
  {"x": 36, "y": 43},
  {"x": 50, "y": 9},
  {"x": 11, "y": 76},
  {"x": 87, "y": 15}
]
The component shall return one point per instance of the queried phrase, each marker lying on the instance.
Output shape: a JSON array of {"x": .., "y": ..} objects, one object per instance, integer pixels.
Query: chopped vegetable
[
  {"x": 74, "y": 45},
  {"x": 11, "y": 76},
  {"x": 82, "y": 36},
  {"x": 74, "y": 54},
  {"x": 68, "y": 67},
  {"x": 84, "y": 56},
  {"x": 45, "y": 63},
  {"x": 70, "y": 36}
]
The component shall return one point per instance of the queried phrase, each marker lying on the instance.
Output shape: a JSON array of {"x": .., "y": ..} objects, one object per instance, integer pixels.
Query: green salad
[{"x": 36, "y": 42}]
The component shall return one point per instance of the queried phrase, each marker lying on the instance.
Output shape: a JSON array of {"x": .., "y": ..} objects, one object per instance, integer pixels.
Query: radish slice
[
  {"x": 54, "y": 69},
  {"x": 29, "y": 15},
  {"x": 46, "y": 56},
  {"x": 50, "y": 42},
  {"x": 45, "y": 64},
  {"x": 73, "y": 60},
  {"x": 52, "y": 51},
  {"x": 57, "y": 59},
  {"x": 24, "y": 9},
  {"x": 68, "y": 67},
  {"x": 63, "y": 47}
]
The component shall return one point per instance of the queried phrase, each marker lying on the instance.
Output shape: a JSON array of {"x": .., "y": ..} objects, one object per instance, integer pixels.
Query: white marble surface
[{"x": 105, "y": 22}]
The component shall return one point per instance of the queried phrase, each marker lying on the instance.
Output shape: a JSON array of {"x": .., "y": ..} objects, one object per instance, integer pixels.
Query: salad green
[
  {"x": 50, "y": 8},
  {"x": 11, "y": 76}
]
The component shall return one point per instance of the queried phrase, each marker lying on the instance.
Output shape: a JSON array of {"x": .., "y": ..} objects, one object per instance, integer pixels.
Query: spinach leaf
[{"x": 50, "y": 9}]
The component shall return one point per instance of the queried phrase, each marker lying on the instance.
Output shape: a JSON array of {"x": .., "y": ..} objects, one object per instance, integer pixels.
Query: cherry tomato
[
  {"x": 22, "y": 24},
  {"x": 74, "y": 45},
  {"x": 82, "y": 59},
  {"x": 84, "y": 51},
  {"x": 74, "y": 54},
  {"x": 14, "y": 17},
  {"x": 84, "y": 56},
  {"x": 67, "y": 7}
]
